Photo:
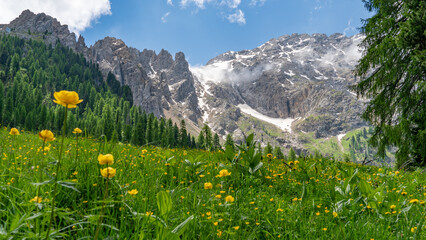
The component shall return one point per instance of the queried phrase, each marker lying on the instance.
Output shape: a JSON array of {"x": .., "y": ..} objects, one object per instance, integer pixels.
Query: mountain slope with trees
[{"x": 31, "y": 71}]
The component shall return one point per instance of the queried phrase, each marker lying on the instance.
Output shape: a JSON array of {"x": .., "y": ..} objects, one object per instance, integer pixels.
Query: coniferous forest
[{"x": 31, "y": 71}]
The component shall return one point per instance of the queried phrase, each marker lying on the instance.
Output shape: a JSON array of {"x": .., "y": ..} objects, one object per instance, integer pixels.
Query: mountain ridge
[{"x": 300, "y": 79}]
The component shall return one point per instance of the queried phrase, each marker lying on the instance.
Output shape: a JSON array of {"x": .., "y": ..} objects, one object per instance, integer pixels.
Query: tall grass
[{"x": 306, "y": 199}]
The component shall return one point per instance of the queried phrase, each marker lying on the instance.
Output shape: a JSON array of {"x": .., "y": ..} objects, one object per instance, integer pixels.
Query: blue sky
[{"x": 202, "y": 29}]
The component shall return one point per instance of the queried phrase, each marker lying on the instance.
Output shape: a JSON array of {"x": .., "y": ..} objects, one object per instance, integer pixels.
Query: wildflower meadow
[{"x": 54, "y": 186}]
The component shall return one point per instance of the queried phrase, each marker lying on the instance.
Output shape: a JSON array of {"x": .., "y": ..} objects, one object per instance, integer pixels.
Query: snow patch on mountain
[{"x": 284, "y": 124}]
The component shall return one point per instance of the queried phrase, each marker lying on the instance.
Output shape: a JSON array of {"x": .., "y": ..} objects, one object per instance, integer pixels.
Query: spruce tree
[
  {"x": 292, "y": 155},
  {"x": 229, "y": 141},
  {"x": 393, "y": 72},
  {"x": 278, "y": 153},
  {"x": 216, "y": 142},
  {"x": 208, "y": 140},
  {"x": 183, "y": 135},
  {"x": 201, "y": 141},
  {"x": 268, "y": 149}
]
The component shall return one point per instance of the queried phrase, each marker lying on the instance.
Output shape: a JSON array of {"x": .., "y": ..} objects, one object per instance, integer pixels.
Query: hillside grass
[{"x": 307, "y": 199}]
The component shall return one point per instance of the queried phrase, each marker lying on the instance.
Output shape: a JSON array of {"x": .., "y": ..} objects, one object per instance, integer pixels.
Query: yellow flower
[
  {"x": 224, "y": 173},
  {"x": 149, "y": 213},
  {"x": 229, "y": 198},
  {"x": 236, "y": 227},
  {"x": 414, "y": 201},
  {"x": 317, "y": 213},
  {"x": 269, "y": 155},
  {"x": 46, "y": 135},
  {"x": 392, "y": 206},
  {"x": 14, "y": 131},
  {"x": 413, "y": 229},
  {"x": 68, "y": 99},
  {"x": 218, "y": 196},
  {"x": 334, "y": 214},
  {"x": 208, "y": 185},
  {"x": 105, "y": 159},
  {"x": 133, "y": 192},
  {"x": 279, "y": 210},
  {"x": 36, "y": 199},
  {"x": 77, "y": 131},
  {"x": 324, "y": 229},
  {"x": 215, "y": 223},
  {"x": 108, "y": 172}
]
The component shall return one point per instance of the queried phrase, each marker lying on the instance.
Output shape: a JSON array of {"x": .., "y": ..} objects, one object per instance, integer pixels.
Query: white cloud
[
  {"x": 224, "y": 72},
  {"x": 257, "y": 2},
  {"x": 163, "y": 18},
  {"x": 169, "y": 2},
  {"x": 237, "y": 17},
  {"x": 202, "y": 3},
  {"x": 349, "y": 28},
  {"x": 231, "y": 3},
  {"x": 77, "y": 14},
  {"x": 198, "y": 3}
]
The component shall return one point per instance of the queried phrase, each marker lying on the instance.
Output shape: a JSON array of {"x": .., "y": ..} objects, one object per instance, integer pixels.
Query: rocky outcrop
[
  {"x": 299, "y": 78},
  {"x": 40, "y": 26},
  {"x": 157, "y": 81}
]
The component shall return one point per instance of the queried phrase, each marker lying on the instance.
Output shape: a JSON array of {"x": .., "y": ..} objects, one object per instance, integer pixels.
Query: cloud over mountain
[{"x": 77, "y": 14}]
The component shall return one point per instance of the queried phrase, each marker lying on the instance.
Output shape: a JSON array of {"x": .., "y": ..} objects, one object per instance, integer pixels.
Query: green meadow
[{"x": 159, "y": 193}]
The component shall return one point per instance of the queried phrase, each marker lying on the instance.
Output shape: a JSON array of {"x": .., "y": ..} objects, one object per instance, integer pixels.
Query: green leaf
[
  {"x": 249, "y": 139},
  {"x": 258, "y": 166},
  {"x": 179, "y": 229},
  {"x": 42, "y": 183},
  {"x": 68, "y": 185},
  {"x": 164, "y": 203}
]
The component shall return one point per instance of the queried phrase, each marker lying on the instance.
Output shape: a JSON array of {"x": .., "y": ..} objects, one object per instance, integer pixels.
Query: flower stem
[
  {"x": 58, "y": 164},
  {"x": 76, "y": 151},
  {"x": 38, "y": 187},
  {"x": 98, "y": 227}
]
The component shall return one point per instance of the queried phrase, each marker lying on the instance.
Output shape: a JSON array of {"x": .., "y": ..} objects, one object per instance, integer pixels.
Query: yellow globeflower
[
  {"x": 67, "y": 99},
  {"x": 108, "y": 172},
  {"x": 105, "y": 159},
  {"x": 46, "y": 135},
  {"x": 36, "y": 199},
  {"x": 229, "y": 198},
  {"x": 208, "y": 185},
  {"x": 14, "y": 131},
  {"x": 133, "y": 192},
  {"x": 269, "y": 155},
  {"x": 224, "y": 173},
  {"x": 77, "y": 131}
]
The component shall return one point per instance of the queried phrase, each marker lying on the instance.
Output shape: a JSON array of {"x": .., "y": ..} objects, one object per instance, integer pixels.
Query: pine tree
[
  {"x": 392, "y": 72},
  {"x": 183, "y": 135},
  {"x": 108, "y": 123},
  {"x": 216, "y": 142},
  {"x": 201, "y": 141},
  {"x": 292, "y": 155},
  {"x": 268, "y": 149},
  {"x": 229, "y": 141},
  {"x": 278, "y": 153},
  {"x": 208, "y": 141}
]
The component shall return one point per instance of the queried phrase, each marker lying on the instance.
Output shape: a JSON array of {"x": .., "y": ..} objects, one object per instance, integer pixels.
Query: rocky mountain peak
[{"x": 30, "y": 25}]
